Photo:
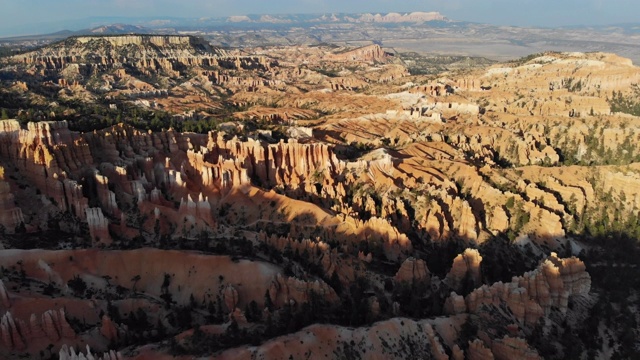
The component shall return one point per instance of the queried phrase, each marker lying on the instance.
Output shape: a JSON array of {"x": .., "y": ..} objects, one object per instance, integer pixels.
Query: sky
[{"x": 37, "y": 16}]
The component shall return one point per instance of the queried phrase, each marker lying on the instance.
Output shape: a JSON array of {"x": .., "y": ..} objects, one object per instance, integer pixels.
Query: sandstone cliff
[{"x": 532, "y": 295}]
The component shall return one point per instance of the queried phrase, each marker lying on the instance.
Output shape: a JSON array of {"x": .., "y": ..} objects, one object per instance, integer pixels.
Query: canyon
[{"x": 163, "y": 197}]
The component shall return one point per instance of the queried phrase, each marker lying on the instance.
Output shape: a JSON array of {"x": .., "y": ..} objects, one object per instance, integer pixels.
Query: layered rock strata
[{"x": 532, "y": 295}]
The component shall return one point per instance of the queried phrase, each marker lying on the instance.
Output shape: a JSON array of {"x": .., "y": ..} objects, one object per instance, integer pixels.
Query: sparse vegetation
[
  {"x": 361, "y": 220},
  {"x": 626, "y": 103}
]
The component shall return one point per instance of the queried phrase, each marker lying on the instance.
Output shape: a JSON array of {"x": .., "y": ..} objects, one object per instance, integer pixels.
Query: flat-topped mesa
[
  {"x": 98, "y": 44},
  {"x": 416, "y": 17},
  {"x": 148, "y": 63},
  {"x": 172, "y": 56},
  {"x": 158, "y": 40}
]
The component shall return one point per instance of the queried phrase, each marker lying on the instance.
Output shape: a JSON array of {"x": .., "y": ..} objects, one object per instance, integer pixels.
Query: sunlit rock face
[{"x": 166, "y": 197}]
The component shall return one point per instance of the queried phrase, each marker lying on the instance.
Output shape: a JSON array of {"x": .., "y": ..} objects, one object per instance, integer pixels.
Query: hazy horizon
[{"x": 28, "y": 17}]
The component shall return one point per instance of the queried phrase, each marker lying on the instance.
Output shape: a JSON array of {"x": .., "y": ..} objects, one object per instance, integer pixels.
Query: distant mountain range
[
  {"x": 424, "y": 32},
  {"x": 121, "y": 25},
  {"x": 118, "y": 29},
  {"x": 414, "y": 17},
  {"x": 173, "y": 25}
]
